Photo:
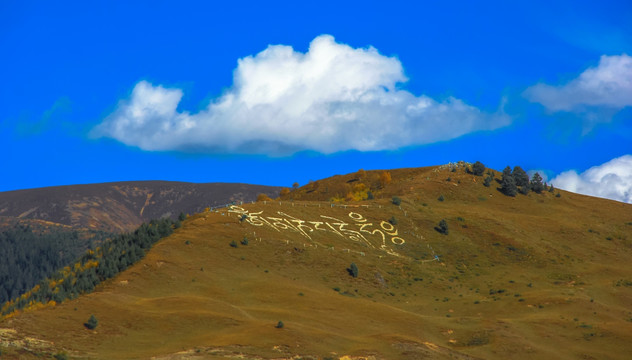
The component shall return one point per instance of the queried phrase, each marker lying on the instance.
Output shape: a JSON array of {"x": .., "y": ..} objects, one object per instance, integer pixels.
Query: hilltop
[
  {"x": 537, "y": 275},
  {"x": 122, "y": 206}
]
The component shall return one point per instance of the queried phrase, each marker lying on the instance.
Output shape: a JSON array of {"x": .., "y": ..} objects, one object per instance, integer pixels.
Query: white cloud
[
  {"x": 331, "y": 98},
  {"x": 609, "y": 85},
  {"x": 612, "y": 180}
]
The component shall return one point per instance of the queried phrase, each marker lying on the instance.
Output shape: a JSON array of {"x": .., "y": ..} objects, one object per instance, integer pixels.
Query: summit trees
[{"x": 508, "y": 183}]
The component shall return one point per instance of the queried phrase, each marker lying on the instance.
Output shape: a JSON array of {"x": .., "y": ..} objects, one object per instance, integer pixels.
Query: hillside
[
  {"x": 531, "y": 276},
  {"x": 122, "y": 206},
  {"x": 33, "y": 249}
]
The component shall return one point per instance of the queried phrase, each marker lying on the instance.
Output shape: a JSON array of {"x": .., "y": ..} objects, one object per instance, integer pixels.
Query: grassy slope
[{"x": 557, "y": 260}]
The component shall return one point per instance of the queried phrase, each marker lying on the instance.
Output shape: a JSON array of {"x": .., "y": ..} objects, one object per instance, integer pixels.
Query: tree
[
  {"x": 536, "y": 183},
  {"x": 279, "y": 325},
  {"x": 182, "y": 216},
  {"x": 92, "y": 322},
  {"x": 478, "y": 168},
  {"x": 263, "y": 197},
  {"x": 385, "y": 178},
  {"x": 508, "y": 183},
  {"x": 284, "y": 192},
  {"x": 520, "y": 176},
  {"x": 295, "y": 186},
  {"x": 442, "y": 227},
  {"x": 488, "y": 181},
  {"x": 551, "y": 189},
  {"x": 353, "y": 270}
]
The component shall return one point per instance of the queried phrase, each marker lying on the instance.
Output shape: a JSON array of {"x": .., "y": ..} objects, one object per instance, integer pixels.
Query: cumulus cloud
[
  {"x": 331, "y": 98},
  {"x": 609, "y": 85},
  {"x": 612, "y": 180}
]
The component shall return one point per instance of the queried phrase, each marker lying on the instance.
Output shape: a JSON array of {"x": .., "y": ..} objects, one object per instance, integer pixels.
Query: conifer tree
[
  {"x": 520, "y": 176},
  {"x": 508, "y": 183},
  {"x": 353, "y": 270},
  {"x": 488, "y": 181},
  {"x": 478, "y": 168},
  {"x": 536, "y": 183},
  {"x": 92, "y": 322}
]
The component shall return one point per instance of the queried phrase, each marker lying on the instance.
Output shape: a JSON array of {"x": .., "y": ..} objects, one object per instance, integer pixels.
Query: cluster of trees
[
  {"x": 95, "y": 266},
  {"x": 517, "y": 180},
  {"x": 30, "y": 254},
  {"x": 513, "y": 181}
]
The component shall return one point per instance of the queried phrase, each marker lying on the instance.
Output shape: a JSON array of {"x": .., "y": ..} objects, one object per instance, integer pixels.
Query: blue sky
[{"x": 278, "y": 92}]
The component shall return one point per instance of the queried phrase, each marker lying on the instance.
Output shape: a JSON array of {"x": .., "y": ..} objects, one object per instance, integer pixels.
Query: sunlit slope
[{"x": 524, "y": 277}]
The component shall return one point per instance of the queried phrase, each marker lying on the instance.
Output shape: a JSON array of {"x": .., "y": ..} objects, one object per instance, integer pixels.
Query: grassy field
[{"x": 535, "y": 276}]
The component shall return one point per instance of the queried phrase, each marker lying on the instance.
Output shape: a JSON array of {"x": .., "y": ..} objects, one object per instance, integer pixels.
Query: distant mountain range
[{"x": 122, "y": 206}]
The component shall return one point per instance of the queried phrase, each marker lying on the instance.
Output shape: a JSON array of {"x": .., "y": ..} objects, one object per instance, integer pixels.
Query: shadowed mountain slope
[
  {"x": 531, "y": 276},
  {"x": 122, "y": 206}
]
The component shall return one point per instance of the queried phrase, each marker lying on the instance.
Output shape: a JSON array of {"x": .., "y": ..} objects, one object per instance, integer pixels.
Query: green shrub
[
  {"x": 92, "y": 322},
  {"x": 233, "y": 244},
  {"x": 353, "y": 270},
  {"x": 488, "y": 181},
  {"x": 558, "y": 195},
  {"x": 369, "y": 195},
  {"x": 396, "y": 200},
  {"x": 244, "y": 241},
  {"x": 392, "y": 220},
  {"x": 441, "y": 197},
  {"x": 61, "y": 356},
  {"x": 182, "y": 216},
  {"x": 442, "y": 227},
  {"x": 279, "y": 325}
]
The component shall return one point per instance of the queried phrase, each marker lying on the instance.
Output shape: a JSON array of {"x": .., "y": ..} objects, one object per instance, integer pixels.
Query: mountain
[
  {"x": 532, "y": 276},
  {"x": 122, "y": 206}
]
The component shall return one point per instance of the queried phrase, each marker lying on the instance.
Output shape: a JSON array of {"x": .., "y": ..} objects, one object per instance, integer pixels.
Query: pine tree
[
  {"x": 536, "y": 183},
  {"x": 520, "y": 176},
  {"x": 488, "y": 181},
  {"x": 353, "y": 270},
  {"x": 508, "y": 183},
  {"x": 92, "y": 322},
  {"x": 478, "y": 168},
  {"x": 442, "y": 227}
]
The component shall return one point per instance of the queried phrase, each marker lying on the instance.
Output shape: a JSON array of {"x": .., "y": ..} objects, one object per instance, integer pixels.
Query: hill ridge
[
  {"x": 123, "y": 205},
  {"x": 519, "y": 277}
]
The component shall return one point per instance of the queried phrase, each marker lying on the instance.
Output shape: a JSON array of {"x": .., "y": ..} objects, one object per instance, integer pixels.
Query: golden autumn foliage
[
  {"x": 358, "y": 193},
  {"x": 385, "y": 178},
  {"x": 283, "y": 192},
  {"x": 263, "y": 197}
]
